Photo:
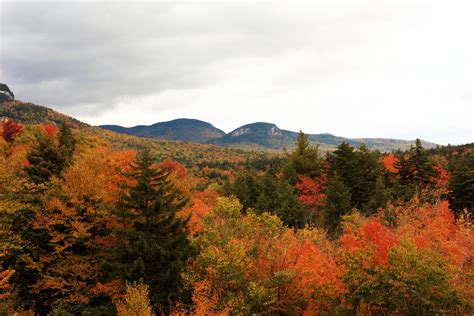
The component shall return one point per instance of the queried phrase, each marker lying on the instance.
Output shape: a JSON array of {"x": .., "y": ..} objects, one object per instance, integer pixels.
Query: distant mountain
[
  {"x": 255, "y": 136},
  {"x": 187, "y": 153},
  {"x": 181, "y": 129}
]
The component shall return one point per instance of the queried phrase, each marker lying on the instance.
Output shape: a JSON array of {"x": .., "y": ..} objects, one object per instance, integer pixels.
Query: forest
[{"x": 89, "y": 228}]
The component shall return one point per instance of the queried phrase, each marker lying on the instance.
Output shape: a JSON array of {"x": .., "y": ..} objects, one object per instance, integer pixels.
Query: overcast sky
[{"x": 398, "y": 69}]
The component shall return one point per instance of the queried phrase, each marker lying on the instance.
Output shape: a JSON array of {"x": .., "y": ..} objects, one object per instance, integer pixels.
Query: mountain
[
  {"x": 256, "y": 136},
  {"x": 181, "y": 129},
  {"x": 269, "y": 136},
  {"x": 187, "y": 153}
]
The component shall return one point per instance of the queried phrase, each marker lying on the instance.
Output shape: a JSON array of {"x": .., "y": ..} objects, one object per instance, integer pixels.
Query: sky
[{"x": 354, "y": 68}]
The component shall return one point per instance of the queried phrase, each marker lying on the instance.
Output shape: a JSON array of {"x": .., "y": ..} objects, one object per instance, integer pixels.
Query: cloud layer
[{"x": 401, "y": 69}]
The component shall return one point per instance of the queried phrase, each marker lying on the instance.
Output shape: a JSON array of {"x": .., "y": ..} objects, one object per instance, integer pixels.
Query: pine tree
[
  {"x": 45, "y": 160},
  {"x": 67, "y": 141},
  {"x": 157, "y": 247},
  {"x": 338, "y": 203},
  {"x": 461, "y": 185},
  {"x": 305, "y": 159}
]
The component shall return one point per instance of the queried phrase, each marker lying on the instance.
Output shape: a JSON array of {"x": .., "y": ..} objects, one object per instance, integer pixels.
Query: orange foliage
[
  {"x": 201, "y": 204},
  {"x": 317, "y": 275},
  {"x": 389, "y": 162},
  {"x": 4, "y": 284}
]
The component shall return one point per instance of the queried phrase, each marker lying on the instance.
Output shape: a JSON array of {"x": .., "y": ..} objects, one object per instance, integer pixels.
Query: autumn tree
[
  {"x": 155, "y": 247},
  {"x": 136, "y": 301},
  {"x": 253, "y": 264},
  {"x": 10, "y": 130}
]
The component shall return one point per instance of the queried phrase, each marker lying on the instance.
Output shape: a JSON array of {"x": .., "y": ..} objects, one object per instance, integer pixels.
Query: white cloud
[{"x": 401, "y": 69}]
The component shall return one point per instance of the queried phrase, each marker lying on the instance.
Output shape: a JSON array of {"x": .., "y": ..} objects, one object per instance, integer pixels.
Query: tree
[
  {"x": 10, "y": 130},
  {"x": 67, "y": 141},
  {"x": 268, "y": 193},
  {"x": 136, "y": 301},
  {"x": 358, "y": 170},
  {"x": 461, "y": 185},
  {"x": 312, "y": 195},
  {"x": 305, "y": 159},
  {"x": 252, "y": 264},
  {"x": 416, "y": 169},
  {"x": 338, "y": 203},
  {"x": 155, "y": 247},
  {"x": 45, "y": 161}
]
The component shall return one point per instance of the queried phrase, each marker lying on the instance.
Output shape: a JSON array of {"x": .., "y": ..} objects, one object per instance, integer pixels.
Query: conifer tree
[
  {"x": 338, "y": 203},
  {"x": 417, "y": 169},
  {"x": 67, "y": 141},
  {"x": 157, "y": 247},
  {"x": 461, "y": 185},
  {"x": 305, "y": 159},
  {"x": 45, "y": 160}
]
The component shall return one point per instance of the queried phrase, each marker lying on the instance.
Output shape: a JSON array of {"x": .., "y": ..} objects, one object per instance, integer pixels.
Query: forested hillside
[{"x": 93, "y": 223}]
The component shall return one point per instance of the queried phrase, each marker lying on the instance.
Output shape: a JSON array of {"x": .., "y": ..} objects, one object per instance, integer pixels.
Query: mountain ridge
[{"x": 268, "y": 136}]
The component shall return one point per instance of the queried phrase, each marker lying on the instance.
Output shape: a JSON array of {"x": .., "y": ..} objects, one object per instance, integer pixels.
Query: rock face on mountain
[
  {"x": 181, "y": 129},
  {"x": 5, "y": 93},
  {"x": 261, "y": 134}
]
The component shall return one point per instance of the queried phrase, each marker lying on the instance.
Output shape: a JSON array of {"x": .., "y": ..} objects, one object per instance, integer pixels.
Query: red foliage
[
  {"x": 50, "y": 129},
  {"x": 10, "y": 130},
  {"x": 442, "y": 178},
  {"x": 373, "y": 238},
  {"x": 390, "y": 162},
  {"x": 312, "y": 191}
]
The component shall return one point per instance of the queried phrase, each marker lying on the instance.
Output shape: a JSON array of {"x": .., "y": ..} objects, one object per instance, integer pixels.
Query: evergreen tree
[
  {"x": 305, "y": 159},
  {"x": 358, "y": 171},
  {"x": 50, "y": 156},
  {"x": 157, "y": 247},
  {"x": 67, "y": 141},
  {"x": 461, "y": 185},
  {"x": 417, "y": 169},
  {"x": 267, "y": 193},
  {"x": 338, "y": 203},
  {"x": 45, "y": 160}
]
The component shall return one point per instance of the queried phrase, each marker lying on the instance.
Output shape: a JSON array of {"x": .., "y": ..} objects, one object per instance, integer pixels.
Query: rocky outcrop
[{"x": 5, "y": 93}]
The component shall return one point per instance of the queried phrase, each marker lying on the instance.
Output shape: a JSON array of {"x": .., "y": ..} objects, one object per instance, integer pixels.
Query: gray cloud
[{"x": 354, "y": 69}]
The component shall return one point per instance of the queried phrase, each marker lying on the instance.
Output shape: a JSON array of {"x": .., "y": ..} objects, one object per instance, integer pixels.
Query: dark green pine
[{"x": 157, "y": 247}]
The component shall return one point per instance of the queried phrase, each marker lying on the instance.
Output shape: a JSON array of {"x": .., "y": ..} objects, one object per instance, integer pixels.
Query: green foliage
[
  {"x": 415, "y": 282},
  {"x": 50, "y": 156},
  {"x": 462, "y": 183},
  {"x": 305, "y": 159},
  {"x": 360, "y": 171},
  {"x": 338, "y": 203},
  {"x": 267, "y": 193}
]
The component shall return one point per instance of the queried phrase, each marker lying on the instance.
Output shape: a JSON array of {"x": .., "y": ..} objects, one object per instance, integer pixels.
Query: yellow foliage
[{"x": 136, "y": 302}]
